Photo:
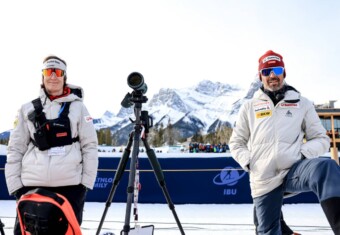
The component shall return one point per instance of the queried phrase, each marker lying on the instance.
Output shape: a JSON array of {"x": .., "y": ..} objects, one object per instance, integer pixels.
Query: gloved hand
[{"x": 86, "y": 188}]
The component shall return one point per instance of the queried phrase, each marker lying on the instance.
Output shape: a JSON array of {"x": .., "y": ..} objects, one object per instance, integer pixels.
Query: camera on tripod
[{"x": 136, "y": 81}]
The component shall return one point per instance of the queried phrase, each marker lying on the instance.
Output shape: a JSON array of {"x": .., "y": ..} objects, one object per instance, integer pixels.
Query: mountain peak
[
  {"x": 168, "y": 98},
  {"x": 214, "y": 88}
]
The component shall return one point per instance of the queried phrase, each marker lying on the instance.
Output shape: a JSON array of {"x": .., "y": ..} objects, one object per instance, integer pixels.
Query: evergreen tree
[
  {"x": 169, "y": 134},
  {"x": 99, "y": 137},
  {"x": 104, "y": 136},
  {"x": 108, "y": 138},
  {"x": 197, "y": 137},
  {"x": 4, "y": 141},
  {"x": 224, "y": 134},
  {"x": 160, "y": 137},
  {"x": 152, "y": 136}
]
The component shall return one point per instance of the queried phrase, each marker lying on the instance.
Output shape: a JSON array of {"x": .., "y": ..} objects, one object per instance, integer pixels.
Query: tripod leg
[
  {"x": 130, "y": 188},
  {"x": 160, "y": 178},
  {"x": 120, "y": 170},
  {"x": 2, "y": 232}
]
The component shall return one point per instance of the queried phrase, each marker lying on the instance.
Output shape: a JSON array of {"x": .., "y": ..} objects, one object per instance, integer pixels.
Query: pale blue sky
[{"x": 173, "y": 43}]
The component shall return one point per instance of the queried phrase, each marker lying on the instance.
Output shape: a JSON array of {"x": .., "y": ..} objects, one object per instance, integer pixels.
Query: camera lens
[{"x": 136, "y": 81}]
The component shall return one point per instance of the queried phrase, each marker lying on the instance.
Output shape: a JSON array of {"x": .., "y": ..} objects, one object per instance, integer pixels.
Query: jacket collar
[
  {"x": 73, "y": 96},
  {"x": 291, "y": 95}
]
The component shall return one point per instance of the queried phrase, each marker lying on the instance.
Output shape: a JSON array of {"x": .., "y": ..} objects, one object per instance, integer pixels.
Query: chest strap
[{"x": 44, "y": 127}]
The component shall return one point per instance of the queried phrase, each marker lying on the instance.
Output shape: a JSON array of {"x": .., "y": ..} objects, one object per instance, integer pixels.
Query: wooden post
[{"x": 334, "y": 154}]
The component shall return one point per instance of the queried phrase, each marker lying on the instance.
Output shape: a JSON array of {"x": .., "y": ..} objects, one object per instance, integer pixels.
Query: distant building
[
  {"x": 329, "y": 105},
  {"x": 330, "y": 119}
]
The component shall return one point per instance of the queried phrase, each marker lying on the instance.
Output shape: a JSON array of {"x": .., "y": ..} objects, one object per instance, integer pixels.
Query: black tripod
[
  {"x": 141, "y": 122},
  {"x": 2, "y": 232}
]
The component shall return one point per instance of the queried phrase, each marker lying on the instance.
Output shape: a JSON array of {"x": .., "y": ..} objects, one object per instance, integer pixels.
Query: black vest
[{"x": 51, "y": 132}]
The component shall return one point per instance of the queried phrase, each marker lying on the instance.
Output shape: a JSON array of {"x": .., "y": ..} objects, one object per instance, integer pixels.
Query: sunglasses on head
[
  {"x": 277, "y": 70},
  {"x": 58, "y": 72}
]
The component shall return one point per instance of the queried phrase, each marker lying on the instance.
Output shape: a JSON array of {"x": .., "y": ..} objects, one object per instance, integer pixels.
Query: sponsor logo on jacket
[
  {"x": 262, "y": 109},
  {"x": 289, "y": 105},
  {"x": 263, "y": 114}
]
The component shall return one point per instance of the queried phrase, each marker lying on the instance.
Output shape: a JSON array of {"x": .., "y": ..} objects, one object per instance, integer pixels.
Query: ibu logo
[{"x": 228, "y": 176}]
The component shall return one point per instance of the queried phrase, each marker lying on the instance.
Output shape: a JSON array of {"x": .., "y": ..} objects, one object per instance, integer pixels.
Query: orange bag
[{"x": 41, "y": 212}]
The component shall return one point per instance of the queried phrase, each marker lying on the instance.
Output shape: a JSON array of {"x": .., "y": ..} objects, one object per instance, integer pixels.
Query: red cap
[{"x": 271, "y": 59}]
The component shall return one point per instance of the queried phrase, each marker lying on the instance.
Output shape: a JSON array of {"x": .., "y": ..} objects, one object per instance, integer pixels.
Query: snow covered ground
[{"x": 196, "y": 219}]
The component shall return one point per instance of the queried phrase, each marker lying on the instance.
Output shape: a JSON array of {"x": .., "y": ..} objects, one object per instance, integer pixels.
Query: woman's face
[{"x": 54, "y": 81}]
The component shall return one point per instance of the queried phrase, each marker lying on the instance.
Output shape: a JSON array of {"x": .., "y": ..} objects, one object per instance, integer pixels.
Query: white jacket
[
  {"x": 28, "y": 166},
  {"x": 268, "y": 140}
]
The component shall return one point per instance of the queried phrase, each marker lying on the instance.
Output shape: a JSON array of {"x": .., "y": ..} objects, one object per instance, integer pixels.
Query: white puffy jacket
[
  {"x": 268, "y": 140},
  {"x": 28, "y": 166}
]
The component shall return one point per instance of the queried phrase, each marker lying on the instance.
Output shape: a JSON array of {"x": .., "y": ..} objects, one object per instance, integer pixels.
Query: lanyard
[{"x": 61, "y": 109}]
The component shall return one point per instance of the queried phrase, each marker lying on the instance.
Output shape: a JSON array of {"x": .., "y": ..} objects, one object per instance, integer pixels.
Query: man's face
[{"x": 272, "y": 82}]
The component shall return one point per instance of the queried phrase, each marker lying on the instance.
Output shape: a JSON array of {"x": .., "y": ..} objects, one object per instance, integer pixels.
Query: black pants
[{"x": 75, "y": 194}]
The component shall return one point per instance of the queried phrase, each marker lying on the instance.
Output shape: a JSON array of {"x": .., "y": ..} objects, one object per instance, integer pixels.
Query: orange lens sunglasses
[{"x": 58, "y": 72}]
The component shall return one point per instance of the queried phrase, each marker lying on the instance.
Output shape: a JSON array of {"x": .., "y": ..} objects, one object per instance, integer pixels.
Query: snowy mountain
[
  {"x": 254, "y": 86},
  {"x": 201, "y": 108}
]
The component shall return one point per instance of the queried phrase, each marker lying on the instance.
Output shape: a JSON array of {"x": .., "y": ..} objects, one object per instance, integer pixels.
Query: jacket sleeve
[
  {"x": 88, "y": 144},
  {"x": 317, "y": 141},
  {"x": 17, "y": 147},
  {"x": 239, "y": 139}
]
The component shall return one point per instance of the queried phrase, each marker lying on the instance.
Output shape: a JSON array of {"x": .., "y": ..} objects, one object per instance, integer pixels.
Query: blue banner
[{"x": 188, "y": 180}]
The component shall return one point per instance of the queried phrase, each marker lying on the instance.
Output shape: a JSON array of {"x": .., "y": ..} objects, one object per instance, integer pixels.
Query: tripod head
[{"x": 136, "y": 81}]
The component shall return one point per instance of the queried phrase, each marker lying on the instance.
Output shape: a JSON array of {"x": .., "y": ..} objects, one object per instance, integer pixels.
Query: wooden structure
[{"x": 330, "y": 119}]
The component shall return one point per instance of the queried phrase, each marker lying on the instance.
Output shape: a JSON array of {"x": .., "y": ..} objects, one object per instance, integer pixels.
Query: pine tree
[
  {"x": 153, "y": 137},
  {"x": 99, "y": 137},
  {"x": 108, "y": 138},
  {"x": 197, "y": 137},
  {"x": 170, "y": 138},
  {"x": 104, "y": 136},
  {"x": 160, "y": 137}
]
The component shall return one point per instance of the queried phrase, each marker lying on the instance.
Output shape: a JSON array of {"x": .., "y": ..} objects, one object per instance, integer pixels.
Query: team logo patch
[{"x": 263, "y": 114}]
